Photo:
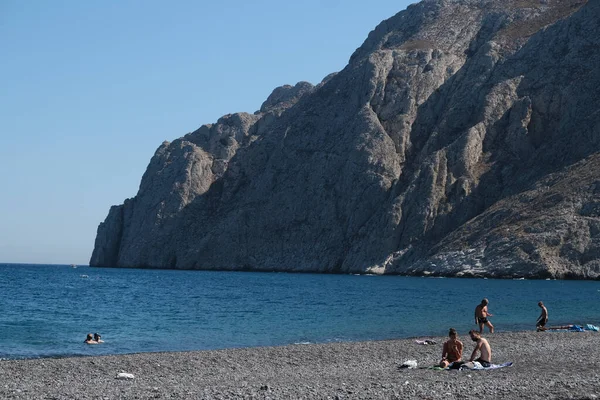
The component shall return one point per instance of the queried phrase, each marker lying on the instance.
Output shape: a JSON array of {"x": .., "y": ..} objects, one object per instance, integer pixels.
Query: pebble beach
[{"x": 547, "y": 365}]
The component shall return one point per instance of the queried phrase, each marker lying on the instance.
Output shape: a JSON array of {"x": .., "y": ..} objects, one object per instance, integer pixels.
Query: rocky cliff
[{"x": 462, "y": 139}]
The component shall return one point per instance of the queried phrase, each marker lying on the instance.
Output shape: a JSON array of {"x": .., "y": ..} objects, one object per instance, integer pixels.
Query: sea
[{"x": 47, "y": 310}]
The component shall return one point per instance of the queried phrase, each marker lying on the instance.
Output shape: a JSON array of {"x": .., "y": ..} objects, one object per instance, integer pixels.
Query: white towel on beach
[
  {"x": 492, "y": 366},
  {"x": 124, "y": 375}
]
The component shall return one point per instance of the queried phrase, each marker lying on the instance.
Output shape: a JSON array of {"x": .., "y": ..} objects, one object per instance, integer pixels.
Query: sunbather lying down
[
  {"x": 548, "y": 328},
  {"x": 574, "y": 328}
]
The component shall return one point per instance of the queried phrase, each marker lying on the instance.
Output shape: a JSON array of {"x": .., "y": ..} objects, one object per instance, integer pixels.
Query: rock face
[{"x": 462, "y": 139}]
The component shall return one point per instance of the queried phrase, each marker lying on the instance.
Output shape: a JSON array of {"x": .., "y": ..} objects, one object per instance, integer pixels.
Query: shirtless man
[
  {"x": 481, "y": 316},
  {"x": 482, "y": 346},
  {"x": 452, "y": 350},
  {"x": 543, "y": 319}
]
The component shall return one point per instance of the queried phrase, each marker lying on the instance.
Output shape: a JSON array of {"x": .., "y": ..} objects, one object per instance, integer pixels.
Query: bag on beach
[
  {"x": 576, "y": 328},
  {"x": 410, "y": 364}
]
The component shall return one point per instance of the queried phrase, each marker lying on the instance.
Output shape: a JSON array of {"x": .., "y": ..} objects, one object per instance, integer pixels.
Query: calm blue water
[{"x": 47, "y": 310}]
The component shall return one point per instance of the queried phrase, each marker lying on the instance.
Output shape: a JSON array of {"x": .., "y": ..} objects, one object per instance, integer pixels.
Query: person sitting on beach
[
  {"x": 452, "y": 350},
  {"x": 482, "y": 346},
  {"x": 97, "y": 338},
  {"x": 90, "y": 339},
  {"x": 481, "y": 316},
  {"x": 543, "y": 319}
]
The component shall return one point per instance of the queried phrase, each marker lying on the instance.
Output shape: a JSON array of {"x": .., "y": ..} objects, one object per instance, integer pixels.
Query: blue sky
[{"x": 90, "y": 89}]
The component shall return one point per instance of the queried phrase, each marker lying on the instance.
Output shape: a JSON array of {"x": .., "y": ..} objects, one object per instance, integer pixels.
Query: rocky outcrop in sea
[{"x": 462, "y": 139}]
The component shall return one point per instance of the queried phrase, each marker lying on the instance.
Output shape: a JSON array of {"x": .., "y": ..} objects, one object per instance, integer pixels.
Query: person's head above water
[
  {"x": 452, "y": 332},
  {"x": 541, "y": 304},
  {"x": 484, "y": 302},
  {"x": 97, "y": 336}
]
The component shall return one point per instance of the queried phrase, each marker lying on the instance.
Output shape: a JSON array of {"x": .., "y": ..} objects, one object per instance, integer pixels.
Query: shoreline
[
  {"x": 546, "y": 365},
  {"x": 516, "y": 277},
  {"x": 439, "y": 339},
  {"x": 437, "y": 275}
]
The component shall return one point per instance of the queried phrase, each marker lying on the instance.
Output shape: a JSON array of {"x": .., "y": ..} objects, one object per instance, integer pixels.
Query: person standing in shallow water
[
  {"x": 543, "y": 318},
  {"x": 481, "y": 316},
  {"x": 452, "y": 351}
]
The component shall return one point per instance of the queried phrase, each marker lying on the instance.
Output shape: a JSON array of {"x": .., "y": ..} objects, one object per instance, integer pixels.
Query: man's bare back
[{"x": 485, "y": 349}]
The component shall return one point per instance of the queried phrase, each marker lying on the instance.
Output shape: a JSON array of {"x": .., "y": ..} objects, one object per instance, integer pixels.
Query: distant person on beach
[
  {"x": 481, "y": 316},
  {"x": 554, "y": 328},
  {"x": 97, "y": 338},
  {"x": 483, "y": 347},
  {"x": 543, "y": 318},
  {"x": 452, "y": 350},
  {"x": 90, "y": 339}
]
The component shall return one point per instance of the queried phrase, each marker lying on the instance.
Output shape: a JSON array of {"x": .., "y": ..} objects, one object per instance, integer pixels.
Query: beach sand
[{"x": 547, "y": 365}]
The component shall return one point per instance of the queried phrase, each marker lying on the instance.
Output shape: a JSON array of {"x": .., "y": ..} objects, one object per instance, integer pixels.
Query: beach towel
[
  {"x": 590, "y": 327},
  {"x": 471, "y": 366},
  {"x": 435, "y": 367},
  {"x": 425, "y": 341},
  {"x": 478, "y": 366}
]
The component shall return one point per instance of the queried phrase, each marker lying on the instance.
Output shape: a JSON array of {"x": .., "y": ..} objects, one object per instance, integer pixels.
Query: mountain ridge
[{"x": 447, "y": 109}]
